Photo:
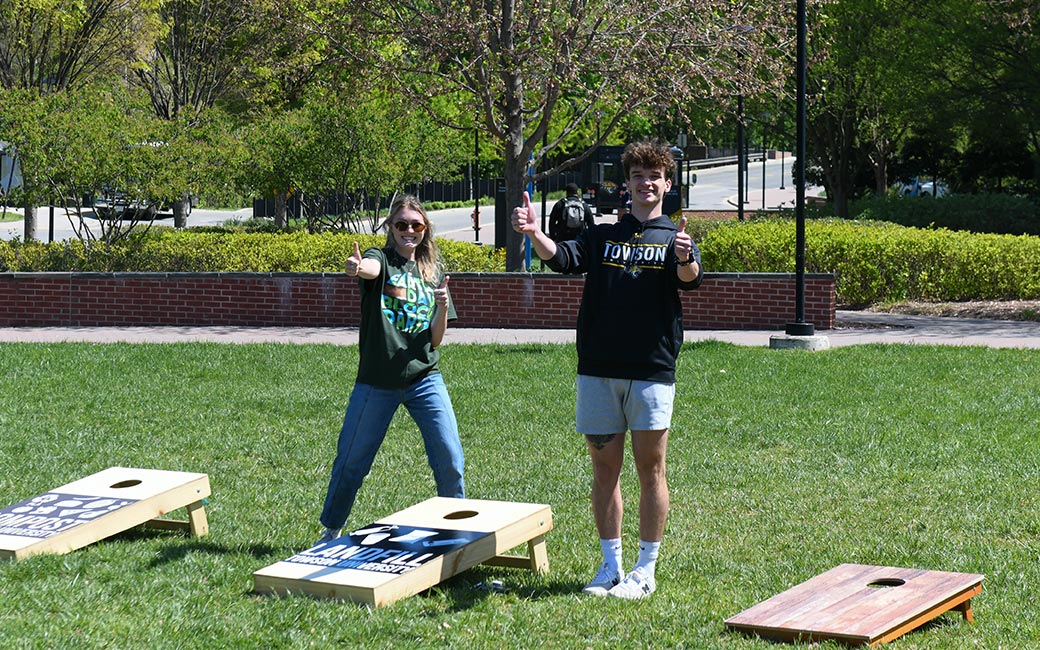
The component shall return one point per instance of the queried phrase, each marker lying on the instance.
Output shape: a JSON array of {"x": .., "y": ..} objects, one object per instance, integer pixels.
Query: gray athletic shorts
[{"x": 608, "y": 406}]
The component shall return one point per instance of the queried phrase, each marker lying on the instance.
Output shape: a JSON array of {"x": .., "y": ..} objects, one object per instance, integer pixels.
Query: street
[
  {"x": 715, "y": 189},
  {"x": 63, "y": 225}
]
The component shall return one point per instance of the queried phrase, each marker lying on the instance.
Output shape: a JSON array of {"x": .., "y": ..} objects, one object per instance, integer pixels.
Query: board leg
[
  {"x": 197, "y": 521},
  {"x": 965, "y": 608},
  {"x": 539, "y": 554},
  {"x": 537, "y": 559}
]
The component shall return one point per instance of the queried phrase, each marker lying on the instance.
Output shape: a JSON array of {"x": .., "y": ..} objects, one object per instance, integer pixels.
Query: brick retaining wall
[{"x": 506, "y": 300}]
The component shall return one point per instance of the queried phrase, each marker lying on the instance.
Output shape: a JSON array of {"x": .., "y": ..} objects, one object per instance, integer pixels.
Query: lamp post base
[
  {"x": 808, "y": 343},
  {"x": 799, "y": 329}
]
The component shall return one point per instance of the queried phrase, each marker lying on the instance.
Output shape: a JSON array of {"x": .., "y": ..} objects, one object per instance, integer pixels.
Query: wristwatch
[{"x": 689, "y": 260}]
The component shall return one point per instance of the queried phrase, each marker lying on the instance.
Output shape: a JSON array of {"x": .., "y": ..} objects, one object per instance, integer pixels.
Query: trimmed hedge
[
  {"x": 874, "y": 262},
  {"x": 187, "y": 251},
  {"x": 881, "y": 262},
  {"x": 993, "y": 213}
]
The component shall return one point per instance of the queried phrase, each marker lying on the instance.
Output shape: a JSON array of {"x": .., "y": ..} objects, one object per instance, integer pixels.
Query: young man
[{"x": 629, "y": 333}]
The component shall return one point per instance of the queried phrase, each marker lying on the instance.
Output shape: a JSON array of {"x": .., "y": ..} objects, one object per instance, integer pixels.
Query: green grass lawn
[{"x": 783, "y": 464}]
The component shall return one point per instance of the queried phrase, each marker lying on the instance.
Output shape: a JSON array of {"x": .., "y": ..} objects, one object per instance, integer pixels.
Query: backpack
[{"x": 574, "y": 214}]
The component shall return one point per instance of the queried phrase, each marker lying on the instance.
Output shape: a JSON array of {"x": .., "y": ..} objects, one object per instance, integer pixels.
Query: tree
[
  {"x": 121, "y": 150},
  {"x": 862, "y": 89},
  {"x": 22, "y": 124},
  {"x": 223, "y": 52},
  {"x": 894, "y": 89},
  {"x": 347, "y": 149},
  {"x": 274, "y": 143},
  {"x": 53, "y": 46},
  {"x": 520, "y": 63},
  {"x": 988, "y": 70}
]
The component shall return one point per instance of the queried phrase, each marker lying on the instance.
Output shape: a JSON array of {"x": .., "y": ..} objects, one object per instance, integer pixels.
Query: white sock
[
  {"x": 611, "y": 553},
  {"x": 648, "y": 556}
]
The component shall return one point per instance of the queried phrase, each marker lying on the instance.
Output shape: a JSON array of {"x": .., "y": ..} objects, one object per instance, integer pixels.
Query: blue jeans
[{"x": 368, "y": 416}]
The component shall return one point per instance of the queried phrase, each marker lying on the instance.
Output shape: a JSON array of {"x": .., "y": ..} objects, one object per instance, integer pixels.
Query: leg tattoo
[{"x": 599, "y": 442}]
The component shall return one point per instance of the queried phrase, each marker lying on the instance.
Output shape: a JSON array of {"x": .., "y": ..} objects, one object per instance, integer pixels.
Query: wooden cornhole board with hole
[
  {"x": 859, "y": 604},
  {"x": 413, "y": 550},
  {"x": 99, "y": 506}
]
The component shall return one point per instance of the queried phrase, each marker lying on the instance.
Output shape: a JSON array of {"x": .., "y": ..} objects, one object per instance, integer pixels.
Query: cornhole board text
[
  {"x": 414, "y": 549},
  {"x": 859, "y": 604},
  {"x": 99, "y": 506}
]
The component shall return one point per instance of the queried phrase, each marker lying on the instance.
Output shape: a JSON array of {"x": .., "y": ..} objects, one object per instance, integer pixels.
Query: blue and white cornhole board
[
  {"x": 413, "y": 550},
  {"x": 99, "y": 506}
]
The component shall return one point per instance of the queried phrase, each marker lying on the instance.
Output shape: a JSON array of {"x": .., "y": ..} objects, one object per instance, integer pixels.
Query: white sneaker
[
  {"x": 606, "y": 579},
  {"x": 636, "y": 585},
  {"x": 329, "y": 535}
]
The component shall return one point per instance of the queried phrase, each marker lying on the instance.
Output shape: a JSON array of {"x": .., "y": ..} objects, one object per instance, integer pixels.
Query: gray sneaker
[
  {"x": 329, "y": 535},
  {"x": 606, "y": 578},
  {"x": 636, "y": 585}
]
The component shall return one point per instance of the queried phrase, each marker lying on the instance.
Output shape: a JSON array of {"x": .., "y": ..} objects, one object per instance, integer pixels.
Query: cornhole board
[
  {"x": 859, "y": 604},
  {"x": 414, "y": 549},
  {"x": 99, "y": 506}
]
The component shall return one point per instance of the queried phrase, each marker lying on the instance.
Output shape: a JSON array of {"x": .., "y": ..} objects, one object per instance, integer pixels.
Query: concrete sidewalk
[{"x": 853, "y": 328}]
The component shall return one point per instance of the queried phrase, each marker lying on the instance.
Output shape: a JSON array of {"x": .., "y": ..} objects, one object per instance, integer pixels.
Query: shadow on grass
[
  {"x": 182, "y": 546},
  {"x": 481, "y": 583}
]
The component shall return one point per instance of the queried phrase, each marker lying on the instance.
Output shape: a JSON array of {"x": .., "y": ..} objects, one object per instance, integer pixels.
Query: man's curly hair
[{"x": 648, "y": 154}]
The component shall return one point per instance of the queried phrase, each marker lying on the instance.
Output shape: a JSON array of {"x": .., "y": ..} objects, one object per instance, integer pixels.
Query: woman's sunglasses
[{"x": 403, "y": 226}]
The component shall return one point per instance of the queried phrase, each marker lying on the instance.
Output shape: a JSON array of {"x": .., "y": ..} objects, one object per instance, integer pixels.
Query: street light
[
  {"x": 476, "y": 183},
  {"x": 763, "y": 167},
  {"x": 741, "y": 153},
  {"x": 800, "y": 327},
  {"x": 764, "y": 120},
  {"x": 740, "y": 157}
]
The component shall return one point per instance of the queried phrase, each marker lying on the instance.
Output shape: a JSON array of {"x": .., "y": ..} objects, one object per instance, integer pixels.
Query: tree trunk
[
  {"x": 181, "y": 209},
  {"x": 515, "y": 174},
  {"x": 30, "y": 221},
  {"x": 279, "y": 210},
  {"x": 879, "y": 161}
]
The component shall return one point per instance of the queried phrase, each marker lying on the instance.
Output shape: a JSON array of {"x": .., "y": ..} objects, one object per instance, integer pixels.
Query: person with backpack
[{"x": 570, "y": 216}]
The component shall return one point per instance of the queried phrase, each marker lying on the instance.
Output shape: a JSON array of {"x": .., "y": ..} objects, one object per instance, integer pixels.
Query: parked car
[
  {"x": 10, "y": 170},
  {"x": 117, "y": 205},
  {"x": 922, "y": 188}
]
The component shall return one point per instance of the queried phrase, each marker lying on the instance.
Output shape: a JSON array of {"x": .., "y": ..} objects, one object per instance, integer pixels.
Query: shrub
[
  {"x": 884, "y": 262},
  {"x": 988, "y": 213},
  {"x": 192, "y": 251},
  {"x": 874, "y": 261}
]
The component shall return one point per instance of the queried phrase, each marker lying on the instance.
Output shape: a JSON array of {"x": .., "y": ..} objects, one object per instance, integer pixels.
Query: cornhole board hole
[
  {"x": 99, "y": 506},
  {"x": 859, "y": 604},
  {"x": 413, "y": 550}
]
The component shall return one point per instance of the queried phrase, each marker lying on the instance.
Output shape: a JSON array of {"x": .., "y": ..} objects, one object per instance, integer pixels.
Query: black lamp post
[
  {"x": 741, "y": 146},
  {"x": 799, "y": 327},
  {"x": 476, "y": 184},
  {"x": 765, "y": 118},
  {"x": 740, "y": 157},
  {"x": 747, "y": 170},
  {"x": 763, "y": 167}
]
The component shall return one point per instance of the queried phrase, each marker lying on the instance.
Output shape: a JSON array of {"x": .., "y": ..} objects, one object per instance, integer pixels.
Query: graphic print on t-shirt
[
  {"x": 634, "y": 256},
  {"x": 407, "y": 303}
]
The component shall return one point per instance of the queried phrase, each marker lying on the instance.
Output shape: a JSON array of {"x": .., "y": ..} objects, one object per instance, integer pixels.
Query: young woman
[{"x": 405, "y": 308}]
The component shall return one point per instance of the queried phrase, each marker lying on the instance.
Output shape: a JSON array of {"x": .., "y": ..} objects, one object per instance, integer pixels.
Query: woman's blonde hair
[{"x": 427, "y": 256}]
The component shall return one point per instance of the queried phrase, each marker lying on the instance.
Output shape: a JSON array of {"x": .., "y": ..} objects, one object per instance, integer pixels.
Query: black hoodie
[{"x": 630, "y": 320}]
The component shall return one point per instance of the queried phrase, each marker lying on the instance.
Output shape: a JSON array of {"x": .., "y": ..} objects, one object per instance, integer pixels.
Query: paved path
[{"x": 853, "y": 328}]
